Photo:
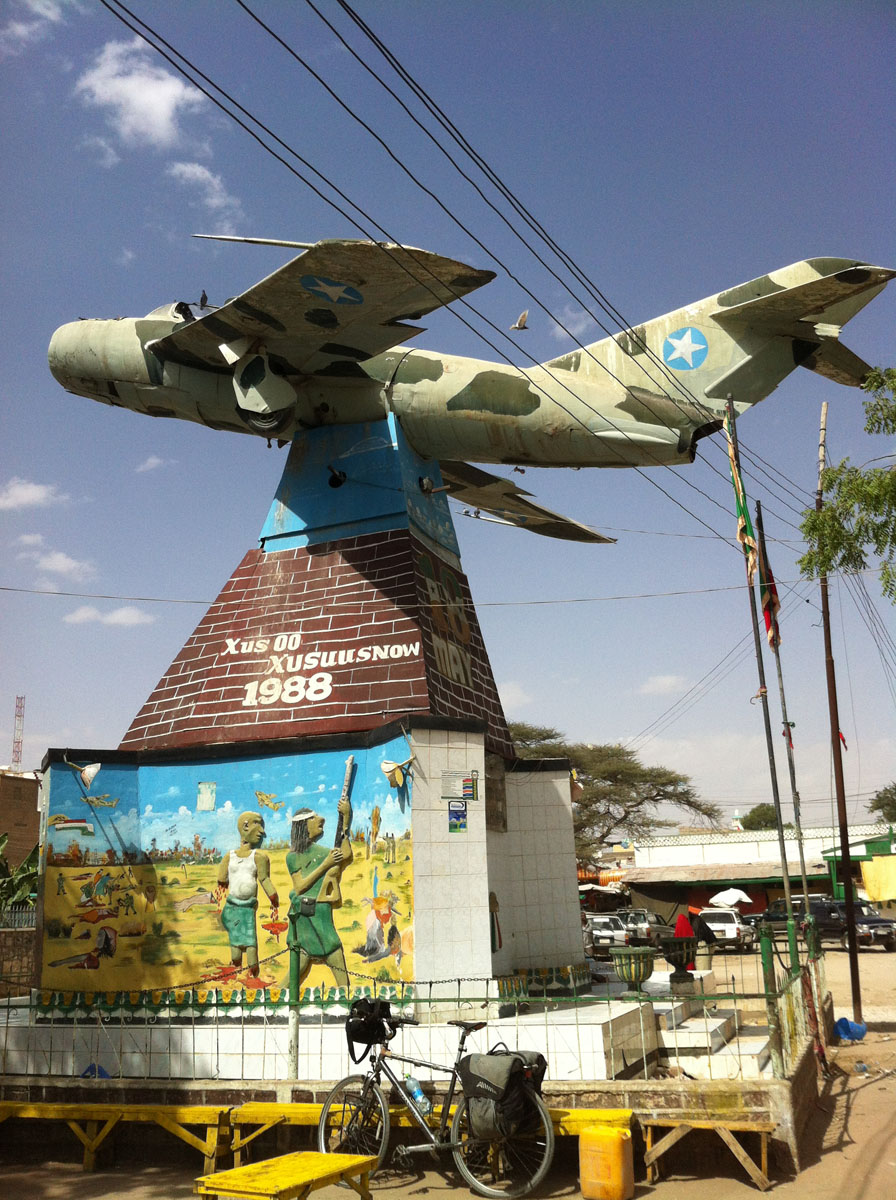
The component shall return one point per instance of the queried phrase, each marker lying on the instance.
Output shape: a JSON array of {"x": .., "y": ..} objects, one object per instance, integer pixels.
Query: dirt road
[{"x": 849, "y": 1147}]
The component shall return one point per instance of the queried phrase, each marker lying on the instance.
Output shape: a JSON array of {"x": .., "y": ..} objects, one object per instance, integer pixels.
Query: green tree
[
  {"x": 859, "y": 513},
  {"x": 17, "y": 886},
  {"x": 761, "y": 816},
  {"x": 885, "y": 803},
  {"x": 620, "y": 797}
]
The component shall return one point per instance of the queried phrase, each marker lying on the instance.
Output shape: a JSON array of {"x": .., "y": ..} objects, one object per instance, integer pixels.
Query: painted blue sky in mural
[
  {"x": 159, "y": 806},
  {"x": 119, "y": 530}
]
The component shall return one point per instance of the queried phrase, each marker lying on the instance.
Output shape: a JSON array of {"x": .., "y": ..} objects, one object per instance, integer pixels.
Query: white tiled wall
[
  {"x": 451, "y": 918},
  {"x": 532, "y": 870}
]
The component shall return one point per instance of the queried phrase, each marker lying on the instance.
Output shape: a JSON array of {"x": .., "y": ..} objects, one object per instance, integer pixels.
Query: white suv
[
  {"x": 607, "y": 930},
  {"x": 729, "y": 928}
]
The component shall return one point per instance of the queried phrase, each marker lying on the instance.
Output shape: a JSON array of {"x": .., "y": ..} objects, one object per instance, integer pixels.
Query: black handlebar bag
[{"x": 366, "y": 1025}]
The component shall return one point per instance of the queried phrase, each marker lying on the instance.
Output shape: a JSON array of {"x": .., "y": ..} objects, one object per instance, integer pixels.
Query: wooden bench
[
  {"x": 290, "y": 1177},
  {"x": 680, "y": 1126},
  {"x": 92, "y": 1123}
]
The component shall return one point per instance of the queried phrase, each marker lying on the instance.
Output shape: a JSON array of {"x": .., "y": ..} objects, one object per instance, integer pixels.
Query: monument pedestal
[{"x": 342, "y": 659}]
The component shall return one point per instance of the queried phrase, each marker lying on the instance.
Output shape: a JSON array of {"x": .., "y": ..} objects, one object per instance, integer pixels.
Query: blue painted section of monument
[{"x": 350, "y": 480}]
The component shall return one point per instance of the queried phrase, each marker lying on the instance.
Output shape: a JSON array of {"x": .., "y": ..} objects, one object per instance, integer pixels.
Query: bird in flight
[{"x": 521, "y": 320}]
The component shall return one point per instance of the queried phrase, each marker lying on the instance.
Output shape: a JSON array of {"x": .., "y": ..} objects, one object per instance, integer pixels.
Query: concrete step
[
  {"x": 698, "y": 1035},
  {"x": 671, "y": 1013},
  {"x": 745, "y": 1056}
]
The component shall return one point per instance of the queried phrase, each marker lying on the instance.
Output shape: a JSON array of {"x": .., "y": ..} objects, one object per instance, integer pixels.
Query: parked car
[
  {"x": 607, "y": 930},
  {"x": 730, "y": 929},
  {"x": 644, "y": 928},
  {"x": 871, "y": 928},
  {"x": 827, "y": 913}
]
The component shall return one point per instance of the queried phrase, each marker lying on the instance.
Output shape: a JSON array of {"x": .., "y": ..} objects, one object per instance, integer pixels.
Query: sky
[{"x": 672, "y": 149}]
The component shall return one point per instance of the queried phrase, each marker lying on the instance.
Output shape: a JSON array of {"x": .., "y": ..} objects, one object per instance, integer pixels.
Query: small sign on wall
[
  {"x": 457, "y": 816},
  {"x": 460, "y": 785}
]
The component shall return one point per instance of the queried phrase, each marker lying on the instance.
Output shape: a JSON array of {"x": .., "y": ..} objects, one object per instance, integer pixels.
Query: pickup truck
[{"x": 644, "y": 928}]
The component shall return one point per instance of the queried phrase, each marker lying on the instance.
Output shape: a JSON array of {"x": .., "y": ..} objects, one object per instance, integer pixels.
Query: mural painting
[{"x": 177, "y": 875}]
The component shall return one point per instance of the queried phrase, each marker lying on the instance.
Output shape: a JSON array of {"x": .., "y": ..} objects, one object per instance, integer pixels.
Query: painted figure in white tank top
[{"x": 239, "y": 875}]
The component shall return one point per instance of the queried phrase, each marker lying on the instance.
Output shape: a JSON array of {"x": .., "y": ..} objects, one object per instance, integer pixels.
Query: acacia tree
[
  {"x": 620, "y": 797},
  {"x": 884, "y": 803},
  {"x": 761, "y": 816},
  {"x": 859, "y": 513}
]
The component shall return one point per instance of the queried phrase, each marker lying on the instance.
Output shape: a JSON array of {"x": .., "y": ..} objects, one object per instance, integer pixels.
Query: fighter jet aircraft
[{"x": 321, "y": 341}]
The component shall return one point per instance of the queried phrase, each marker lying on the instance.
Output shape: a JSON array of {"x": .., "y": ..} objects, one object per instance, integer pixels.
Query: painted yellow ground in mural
[{"x": 158, "y": 924}]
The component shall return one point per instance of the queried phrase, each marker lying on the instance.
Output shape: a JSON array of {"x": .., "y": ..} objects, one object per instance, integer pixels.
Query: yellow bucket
[{"x": 606, "y": 1163}]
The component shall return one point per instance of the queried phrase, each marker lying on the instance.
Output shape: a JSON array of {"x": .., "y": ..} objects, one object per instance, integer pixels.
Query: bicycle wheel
[
  {"x": 508, "y": 1166},
  {"x": 354, "y": 1119}
]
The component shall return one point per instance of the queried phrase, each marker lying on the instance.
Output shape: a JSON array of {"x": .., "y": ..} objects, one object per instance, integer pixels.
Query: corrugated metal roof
[{"x": 721, "y": 872}]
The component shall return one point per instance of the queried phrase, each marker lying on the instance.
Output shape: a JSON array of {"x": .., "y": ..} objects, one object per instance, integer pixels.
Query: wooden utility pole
[{"x": 845, "y": 858}]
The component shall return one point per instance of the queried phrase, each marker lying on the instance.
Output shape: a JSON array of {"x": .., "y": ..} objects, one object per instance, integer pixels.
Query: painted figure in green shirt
[{"x": 315, "y": 873}]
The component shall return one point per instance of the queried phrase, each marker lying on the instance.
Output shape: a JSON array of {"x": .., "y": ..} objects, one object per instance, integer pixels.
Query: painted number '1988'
[{"x": 293, "y": 690}]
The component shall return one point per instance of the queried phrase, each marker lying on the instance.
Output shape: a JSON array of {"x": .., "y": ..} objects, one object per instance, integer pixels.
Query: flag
[
  {"x": 768, "y": 594},
  {"x": 745, "y": 534}
]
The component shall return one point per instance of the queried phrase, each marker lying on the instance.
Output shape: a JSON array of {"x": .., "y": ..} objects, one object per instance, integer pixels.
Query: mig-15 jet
[{"x": 321, "y": 341}]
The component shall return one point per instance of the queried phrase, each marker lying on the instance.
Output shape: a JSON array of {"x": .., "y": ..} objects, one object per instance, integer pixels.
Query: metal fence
[
  {"x": 18, "y": 916},
  {"x": 609, "y": 1030}
]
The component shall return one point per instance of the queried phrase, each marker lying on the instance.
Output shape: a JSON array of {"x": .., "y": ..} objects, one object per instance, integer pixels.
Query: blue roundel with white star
[
  {"x": 329, "y": 289},
  {"x": 685, "y": 349}
]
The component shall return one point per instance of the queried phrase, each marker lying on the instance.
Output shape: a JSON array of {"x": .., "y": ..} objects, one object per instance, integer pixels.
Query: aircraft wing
[
  {"x": 339, "y": 302},
  {"x": 505, "y": 500}
]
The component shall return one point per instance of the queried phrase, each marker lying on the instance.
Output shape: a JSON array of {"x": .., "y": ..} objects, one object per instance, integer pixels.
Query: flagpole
[
  {"x": 774, "y": 640},
  {"x": 834, "y": 717},
  {"x": 747, "y": 539}
]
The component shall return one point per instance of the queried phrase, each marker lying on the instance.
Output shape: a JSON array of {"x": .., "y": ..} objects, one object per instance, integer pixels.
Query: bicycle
[{"x": 355, "y": 1120}]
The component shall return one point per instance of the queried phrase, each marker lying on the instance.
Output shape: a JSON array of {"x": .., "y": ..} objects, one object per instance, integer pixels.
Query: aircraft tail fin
[{"x": 743, "y": 341}]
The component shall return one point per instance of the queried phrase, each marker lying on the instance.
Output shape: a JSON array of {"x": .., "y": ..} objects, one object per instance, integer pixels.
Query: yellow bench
[
  {"x": 290, "y": 1177},
  {"x": 250, "y": 1120},
  {"x": 92, "y": 1123}
]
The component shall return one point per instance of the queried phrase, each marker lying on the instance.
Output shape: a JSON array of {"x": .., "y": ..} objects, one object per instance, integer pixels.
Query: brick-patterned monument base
[{"x": 352, "y": 613}]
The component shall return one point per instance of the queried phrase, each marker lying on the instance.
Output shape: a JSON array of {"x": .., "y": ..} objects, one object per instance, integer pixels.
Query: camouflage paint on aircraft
[
  {"x": 169, "y": 886},
  {"x": 320, "y": 342}
]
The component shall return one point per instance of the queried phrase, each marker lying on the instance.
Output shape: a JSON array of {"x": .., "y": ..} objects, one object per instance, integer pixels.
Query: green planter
[
  {"x": 633, "y": 964},
  {"x": 678, "y": 952}
]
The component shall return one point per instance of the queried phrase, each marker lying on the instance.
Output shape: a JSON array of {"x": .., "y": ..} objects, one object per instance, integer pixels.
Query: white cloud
[
  {"x": 34, "y": 20},
  {"x": 144, "y": 103},
  {"x": 23, "y": 493},
  {"x": 663, "y": 685},
  {"x": 125, "y": 616},
  {"x": 225, "y": 209},
  {"x": 150, "y": 464},
  {"x": 30, "y": 539},
  {"x": 106, "y": 154},
  {"x": 576, "y": 321},
  {"x": 513, "y": 696},
  {"x": 125, "y": 258},
  {"x": 57, "y": 562}
]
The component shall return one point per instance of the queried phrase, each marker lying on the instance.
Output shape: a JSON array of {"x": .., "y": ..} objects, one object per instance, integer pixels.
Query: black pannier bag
[
  {"x": 366, "y": 1026},
  {"x": 498, "y": 1087}
]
